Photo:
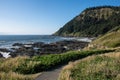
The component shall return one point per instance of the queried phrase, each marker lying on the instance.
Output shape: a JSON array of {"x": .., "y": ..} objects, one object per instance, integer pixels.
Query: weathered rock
[
  {"x": 38, "y": 44},
  {"x": 4, "y": 50},
  {"x": 17, "y": 44},
  {"x": 40, "y": 48},
  {"x": 1, "y": 56}
]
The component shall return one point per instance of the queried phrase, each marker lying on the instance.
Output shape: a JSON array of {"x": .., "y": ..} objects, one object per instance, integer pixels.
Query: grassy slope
[
  {"x": 14, "y": 68},
  {"x": 7, "y": 67},
  {"x": 102, "y": 67},
  {"x": 109, "y": 40},
  {"x": 92, "y": 22}
]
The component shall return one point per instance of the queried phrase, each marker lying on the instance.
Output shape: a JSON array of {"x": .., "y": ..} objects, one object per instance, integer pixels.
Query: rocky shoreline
[{"x": 40, "y": 48}]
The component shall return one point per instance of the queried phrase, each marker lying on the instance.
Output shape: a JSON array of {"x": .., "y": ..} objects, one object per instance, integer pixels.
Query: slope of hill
[
  {"x": 109, "y": 40},
  {"x": 99, "y": 67},
  {"x": 92, "y": 22}
]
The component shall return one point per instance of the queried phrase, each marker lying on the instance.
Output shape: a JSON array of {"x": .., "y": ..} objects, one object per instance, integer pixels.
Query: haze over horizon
[{"x": 40, "y": 17}]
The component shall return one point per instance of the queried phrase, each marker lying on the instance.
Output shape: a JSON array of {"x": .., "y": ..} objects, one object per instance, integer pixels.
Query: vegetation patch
[
  {"x": 102, "y": 67},
  {"x": 47, "y": 62},
  {"x": 16, "y": 76},
  {"x": 26, "y": 68},
  {"x": 110, "y": 40},
  {"x": 92, "y": 22},
  {"x": 7, "y": 67}
]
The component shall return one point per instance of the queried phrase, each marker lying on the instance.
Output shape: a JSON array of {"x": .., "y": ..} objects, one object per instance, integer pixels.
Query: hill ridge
[{"x": 92, "y": 22}]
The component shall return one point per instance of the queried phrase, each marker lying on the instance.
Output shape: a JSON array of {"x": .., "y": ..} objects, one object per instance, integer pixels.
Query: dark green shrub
[{"x": 47, "y": 62}]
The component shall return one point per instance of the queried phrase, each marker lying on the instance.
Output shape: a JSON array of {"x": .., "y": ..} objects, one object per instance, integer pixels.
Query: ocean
[{"x": 6, "y": 41}]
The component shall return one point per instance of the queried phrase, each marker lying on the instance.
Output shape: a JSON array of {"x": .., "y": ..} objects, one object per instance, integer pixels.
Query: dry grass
[
  {"x": 102, "y": 67},
  {"x": 110, "y": 40},
  {"x": 11, "y": 63},
  {"x": 15, "y": 76},
  {"x": 7, "y": 67}
]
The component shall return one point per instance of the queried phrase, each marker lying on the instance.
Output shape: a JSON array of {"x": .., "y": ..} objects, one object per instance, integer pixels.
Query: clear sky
[{"x": 42, "y": 16}]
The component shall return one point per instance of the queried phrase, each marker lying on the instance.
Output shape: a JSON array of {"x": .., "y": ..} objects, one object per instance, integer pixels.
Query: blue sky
[{"x": 42, "y": 16}]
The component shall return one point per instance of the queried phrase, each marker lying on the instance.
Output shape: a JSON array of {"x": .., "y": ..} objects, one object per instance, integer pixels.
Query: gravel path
[{"x": 50, "y": 75}]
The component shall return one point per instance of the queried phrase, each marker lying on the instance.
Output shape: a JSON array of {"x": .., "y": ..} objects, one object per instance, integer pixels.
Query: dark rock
[
  {"x": 38, "y": 44},
  {"x": 40, "y": 48},
  {"x": 17, "y": 44},
  {"x": 13, "y": 54},
  {"x": 1, "y": 56},
  {"x": 4, "y": 50}
]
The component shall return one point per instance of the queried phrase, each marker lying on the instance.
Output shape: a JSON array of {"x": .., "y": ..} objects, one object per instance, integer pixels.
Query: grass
[
  {"x": 7, "y": 67},
  {"x": 109, "y": 40},
  {"x": 26, "y": 68},
  {"x": 47, "y": 62},
  {"x": 11, "y": 63},
  {"x": 97, "y": 67},
  {"x": 15, "y": 76},
  {"x": 36, "y": 64}
]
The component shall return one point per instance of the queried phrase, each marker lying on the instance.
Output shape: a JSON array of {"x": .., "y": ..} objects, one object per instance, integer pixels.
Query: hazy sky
[{"x": 42, "y": 16}]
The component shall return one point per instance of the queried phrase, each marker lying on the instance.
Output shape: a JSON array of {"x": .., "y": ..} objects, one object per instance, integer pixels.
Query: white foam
[
  {"x": 85, "y": 39},
  {"x": 5, "y": 54}
]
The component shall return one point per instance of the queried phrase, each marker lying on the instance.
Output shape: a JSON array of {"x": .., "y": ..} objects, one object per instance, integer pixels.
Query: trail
[{"x": 50, "y": 75}]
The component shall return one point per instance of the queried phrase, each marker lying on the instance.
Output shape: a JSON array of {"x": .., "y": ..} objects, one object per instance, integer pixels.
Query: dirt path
[{"x": 50, "y": 75}]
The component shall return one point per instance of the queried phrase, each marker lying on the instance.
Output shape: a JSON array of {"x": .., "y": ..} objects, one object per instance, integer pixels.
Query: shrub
[{"x": 47, "y": 62}]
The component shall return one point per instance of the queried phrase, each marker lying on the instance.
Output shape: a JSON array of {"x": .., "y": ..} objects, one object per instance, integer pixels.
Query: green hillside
[
  {"x": 92, "y": 22},
  {"x": 97, "y": 67},
  {"x": 109, "y": 40}
]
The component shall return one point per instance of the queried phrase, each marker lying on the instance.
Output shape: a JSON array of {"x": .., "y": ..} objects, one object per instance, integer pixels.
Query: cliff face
[{"x": 92, "y": 22}]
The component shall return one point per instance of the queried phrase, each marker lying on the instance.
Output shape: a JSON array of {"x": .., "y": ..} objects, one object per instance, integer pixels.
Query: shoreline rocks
[{"x": 40, "y": 48}]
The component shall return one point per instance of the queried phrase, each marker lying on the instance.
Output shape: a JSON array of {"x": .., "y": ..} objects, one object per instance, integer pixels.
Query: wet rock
[
  {"x": 40, "y": 48},
  {"x": 38, "y": 44},
  {"x": 1, "y": 56},
  {"x": 4, "y": 50},
  {"x": 17, "y": 44}
]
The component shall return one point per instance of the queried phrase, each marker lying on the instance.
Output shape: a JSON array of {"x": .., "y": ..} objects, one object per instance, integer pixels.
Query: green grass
[
  {"x": 25, "y": 68},
  {"x": 102, "y": 67},
  {"x": 7, "y": 67},
  {"x": 47, "y": 62},
  {"x": 110, "y": 40}
]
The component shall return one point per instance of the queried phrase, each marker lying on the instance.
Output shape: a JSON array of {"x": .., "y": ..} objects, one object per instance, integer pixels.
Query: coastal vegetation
[
  {"x": 102, "y": 54},
  {"x": 97, "y": 67},
  {"x": 22, "y": 68},
  {"x": 7, "y": 67},
  {"x": 109, "y": 40},
  {"x": 103, "y": 23},
  {"x": 92, "y": 22}
]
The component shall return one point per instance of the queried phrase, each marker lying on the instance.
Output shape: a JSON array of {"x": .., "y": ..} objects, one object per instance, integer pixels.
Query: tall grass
[
  {"x": 15, "y": 76},
  {"x": 102, "y": 67},
  {"x": 11, "y": 63},
  {"x": 7, "y": 66},
  {"x": 22, "y": 68},
  {"x": 110, "y": 40},
  {"x": 47, "y": 62}
]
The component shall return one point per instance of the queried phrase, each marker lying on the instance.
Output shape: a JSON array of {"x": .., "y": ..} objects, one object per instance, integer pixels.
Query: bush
[{"x": 47, "y": 62}]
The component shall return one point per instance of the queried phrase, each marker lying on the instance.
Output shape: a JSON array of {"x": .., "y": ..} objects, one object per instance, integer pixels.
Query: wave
[
  {"x": 5, "y": 54},
  {"x": 2, "y": 41}
]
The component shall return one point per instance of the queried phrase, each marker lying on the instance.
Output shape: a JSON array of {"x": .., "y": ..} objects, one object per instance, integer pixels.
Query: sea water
[{"x": 6, "y": 41}]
